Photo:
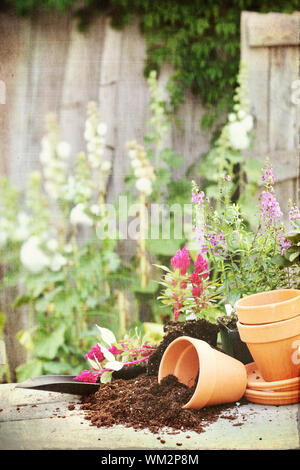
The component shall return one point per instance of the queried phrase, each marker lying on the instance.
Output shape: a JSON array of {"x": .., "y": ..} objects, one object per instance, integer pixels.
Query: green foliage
[
  {"x": 242, "y": 260},
  {"x": 292, "y": 255},
  {"x": 201, "y": 40}
]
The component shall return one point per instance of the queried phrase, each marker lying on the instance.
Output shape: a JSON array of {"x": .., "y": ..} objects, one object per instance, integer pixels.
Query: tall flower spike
[
  {"x": 181, "y": 260},
  {"x": 95, "y": 132}
]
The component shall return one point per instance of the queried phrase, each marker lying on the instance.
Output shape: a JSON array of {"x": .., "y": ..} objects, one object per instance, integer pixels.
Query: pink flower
[
  {"x": 270, "y": 207},
  {"x": 114, "y": 350},
  {"x": 196, "y": 291},
  {"x": 176, "y": 314},
  {"x": 268, "y": 176},
  {"x": 195, "y": 279},
  {"x": 95, "y": 352},
  {"x": 197, "y": 198},
  {"x": 284, "y": 244},
  {"x": 87, "y": 376},
  {"x": 294, "y": 213},
  {"x": 201, "y": 265},
  {"x": 181, "y": 260}
]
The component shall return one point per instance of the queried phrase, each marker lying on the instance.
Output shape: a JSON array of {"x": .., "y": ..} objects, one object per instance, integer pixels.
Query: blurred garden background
[{"x": 132, "y": 98}]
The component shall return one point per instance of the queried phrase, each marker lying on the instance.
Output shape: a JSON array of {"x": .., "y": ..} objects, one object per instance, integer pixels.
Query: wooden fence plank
[{"x": 273, "y": 29}]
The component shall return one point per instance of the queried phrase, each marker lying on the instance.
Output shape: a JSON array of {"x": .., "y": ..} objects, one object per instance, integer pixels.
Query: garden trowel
[{"x": 61, "y": 384}]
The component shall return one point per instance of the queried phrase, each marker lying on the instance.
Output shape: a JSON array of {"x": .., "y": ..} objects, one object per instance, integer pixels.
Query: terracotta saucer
[
  {"x": 256, "y": 382},
  {"x": 273, "y": 398}
]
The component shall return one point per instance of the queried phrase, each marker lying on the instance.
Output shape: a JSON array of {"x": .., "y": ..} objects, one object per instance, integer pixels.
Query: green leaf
[
  {"x": 252, "y": 168},
  {"x": 21, "y": 300},
  {"x": 46, "y": 345},
  {"x": 25, "y": 338},
  {"x": 172, "y": 159},
  {"x": 54, "y": 368},
  {"x": 150, "y": 288},
  {"x": 31, "y": 369},
  {"x": 106, "y": 377},
  {"x": 163, "y": 247},
  {"x": 2, "y": 322}
]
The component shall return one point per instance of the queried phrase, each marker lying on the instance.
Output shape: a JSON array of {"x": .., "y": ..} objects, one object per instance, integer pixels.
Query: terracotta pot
[
  {"x": 274, "y": 347},
  {"x": 221, "y": 379},
  {"x": 268, "y": 307}
]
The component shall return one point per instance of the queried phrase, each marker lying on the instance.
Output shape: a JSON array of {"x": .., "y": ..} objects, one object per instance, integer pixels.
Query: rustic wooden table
[{"x": 36, "y": 420}]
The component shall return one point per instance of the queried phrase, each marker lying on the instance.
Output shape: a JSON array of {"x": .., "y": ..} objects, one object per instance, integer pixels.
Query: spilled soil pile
[{"x": 142, "y": 403}]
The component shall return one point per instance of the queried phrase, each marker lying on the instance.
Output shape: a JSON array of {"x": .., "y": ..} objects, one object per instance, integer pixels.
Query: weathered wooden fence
[
  {"x": 46, "y": 65},
  {"x": 270, "y": 44}
]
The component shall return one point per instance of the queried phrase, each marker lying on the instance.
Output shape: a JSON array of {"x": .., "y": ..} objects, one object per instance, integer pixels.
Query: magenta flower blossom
[
  {"x": 198, "y": 198},
  {"x": 181, "y": 260},
  {"x": 270, "y": 207},
  {"x": 294, "y": 213},
  {"x": 196, "y": 291},
  {"x": 114, "y": 350},
  {"x": 284, "y": 244},
  {"x": 95, "y": 353},
  {"x": 268, "y": 176},
  {"x": 87, "y": 376},
  {"x": 218, "y": 244},
  {"x": 195, "y": 279},
  {"x": 201, "y": 265}
]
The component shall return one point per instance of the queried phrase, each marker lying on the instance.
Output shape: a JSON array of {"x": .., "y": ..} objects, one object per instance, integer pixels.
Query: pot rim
[
  {"x": 270, "y": 332},
  {"x": 239, "y": 304}
]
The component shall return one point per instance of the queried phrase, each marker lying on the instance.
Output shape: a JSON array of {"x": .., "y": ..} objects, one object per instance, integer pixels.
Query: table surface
[{"x": 31, "y": 419}]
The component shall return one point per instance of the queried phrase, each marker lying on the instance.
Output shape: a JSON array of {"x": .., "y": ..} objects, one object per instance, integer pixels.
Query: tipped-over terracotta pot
[
  {"x": 275, "y": 348},
  {"x": 268, "y": 307},
  {"x": 221, "y": 378}
]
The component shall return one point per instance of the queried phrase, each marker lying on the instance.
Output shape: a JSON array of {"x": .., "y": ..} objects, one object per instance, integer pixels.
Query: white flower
[
  {"x": 132, "y": 154},
  {"x": 241, "y": 114},
  {"x": 52, "y": 190},
  {"x": 106, "y": 166},
  {"x": 140, "y": 172},
  {"x": 52, "y": 244},
  {"x": 32, "y": 257},
  {"x": 45, "y": 157},
  {"x": 102, "y": 128},
  {"x": 144, "y": 185},
  {"x": 95, "y": 209},
  {"x": 136, "y": 163},
  {"x": 46, "y": 145},
  {"x": 247, "y": 122},
  {"x": 94, "y": 160},
  {"x": 238, "y": 136},
  {"x": 79, "y": 217},
  {"x": 68, "y": 248},
  {"x": 57, "y": 262},
  {"x": 89, "y": 131},
  {"x": 231, "y": 117},
  {"x": 63, "y": 149}
]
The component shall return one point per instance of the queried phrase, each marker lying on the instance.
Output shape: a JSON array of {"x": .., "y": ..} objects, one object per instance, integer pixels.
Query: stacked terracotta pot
[{"x": 269, "y": 323}]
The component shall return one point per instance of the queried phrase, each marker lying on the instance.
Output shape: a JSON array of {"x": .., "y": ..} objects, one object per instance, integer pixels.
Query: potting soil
[
  {"x": 142, "y": 403},
  {"x": 200, "y": 329}
]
